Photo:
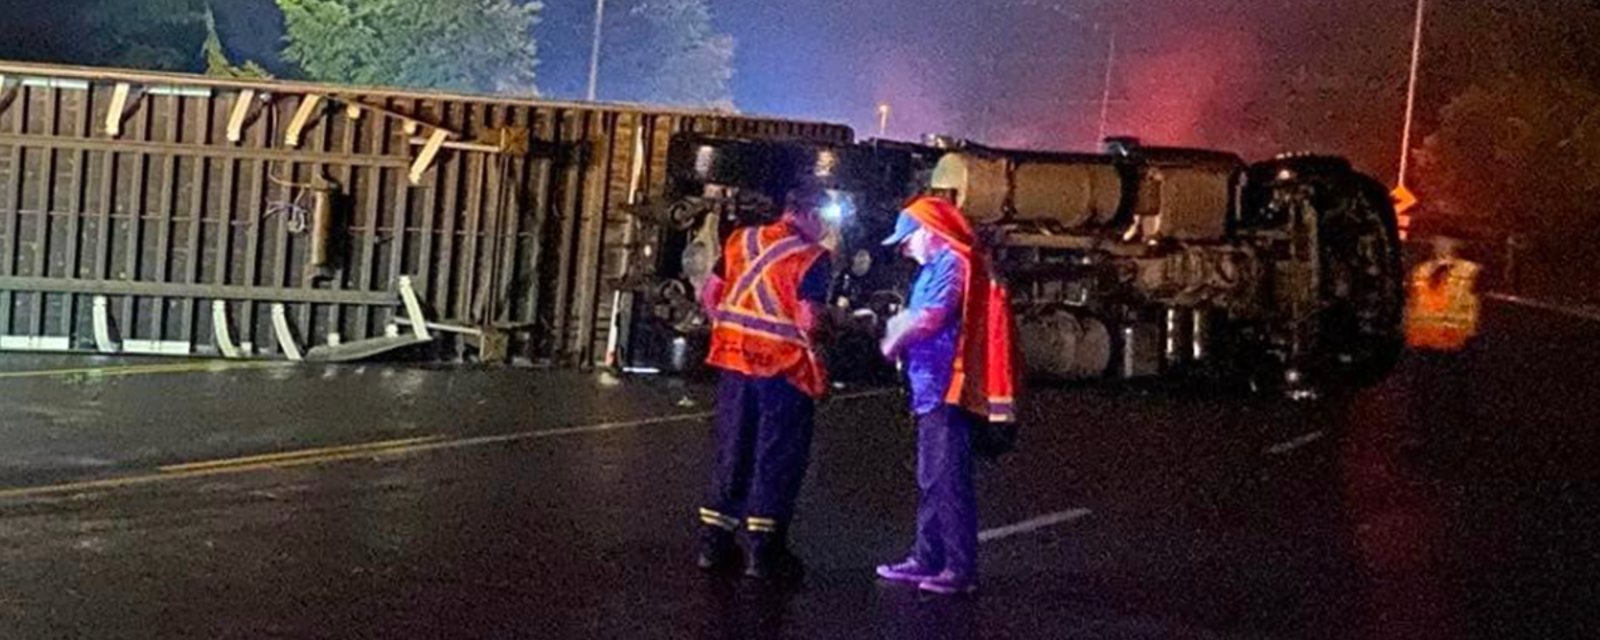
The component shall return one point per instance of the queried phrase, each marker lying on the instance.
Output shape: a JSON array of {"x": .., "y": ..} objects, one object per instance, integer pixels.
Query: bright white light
[{"x": 839, "y": 207}]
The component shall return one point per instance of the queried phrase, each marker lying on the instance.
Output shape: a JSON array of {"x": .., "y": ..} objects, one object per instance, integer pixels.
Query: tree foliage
[
  {"x": 1521, "y": 152},
  {"x": 143, "y": 34},
  {"x": 467, "y": 45},
  {"x": 216, "y": 56},
  {"x": 667, "y": 52}
]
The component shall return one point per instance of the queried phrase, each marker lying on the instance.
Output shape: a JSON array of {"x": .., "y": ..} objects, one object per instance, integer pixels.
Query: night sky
[
  {"x": 1255, "y": 76},
  {"x": 1027, "y": 72},
  {"x": 1024, "y": 73}
]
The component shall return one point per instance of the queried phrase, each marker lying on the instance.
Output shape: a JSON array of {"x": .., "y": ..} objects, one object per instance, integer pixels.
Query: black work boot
[
  {"x": 771, "y": 559},
  {"x": 718, "y": 552}
]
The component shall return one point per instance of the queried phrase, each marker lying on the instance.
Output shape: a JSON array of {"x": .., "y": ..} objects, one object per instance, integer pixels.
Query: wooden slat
[
  {"x": 212, "y": 152},
  {"x": 451, "y": 211},
  {"x": 591, "y": 252},
  {"x": 80, "y": 190},
  {"x": 108, "y": 181},
  {"x": 477, "y": 167},
  {"x": 178, "y": 290},
  {"x": 47, "y": 194},
  {"x": 401, "y": 208},
  {"x": 340, "y": 232},
  {"x": 279, "y": 193},
  {"x": 572, "y": 200},
  {"x": 166, "y": 213},
  {"x": 255, "y": 215},
  {"x": 136, "y": 224},
  {"x": 366, "y": 250},
  {"x": 541, "y": 199},
  {"x": 426, "y": 235},
  {"x": 197, "y": 210},
  {"x": 8, "y": 243}
]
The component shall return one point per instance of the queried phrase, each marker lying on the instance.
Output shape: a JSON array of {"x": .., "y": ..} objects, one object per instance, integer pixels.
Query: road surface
[{"x": 1456, "y": 499}]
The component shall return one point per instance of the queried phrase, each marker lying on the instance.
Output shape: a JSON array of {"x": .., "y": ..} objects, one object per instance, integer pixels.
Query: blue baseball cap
[{"x": 903, "y": 228}]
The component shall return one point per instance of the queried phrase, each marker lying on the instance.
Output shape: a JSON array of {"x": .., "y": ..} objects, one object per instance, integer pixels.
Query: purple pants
[
  {"x": 763, "y": 432},
  {"x": 947, "y": 516}
]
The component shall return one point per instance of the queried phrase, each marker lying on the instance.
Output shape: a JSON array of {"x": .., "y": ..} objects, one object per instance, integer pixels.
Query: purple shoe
[
  {"x": 949, "y": 584},
  {"x": 907, "y": 571}
]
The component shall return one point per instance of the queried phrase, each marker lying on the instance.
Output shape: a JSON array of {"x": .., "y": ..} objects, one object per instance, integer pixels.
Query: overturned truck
[
  {"x": 180, "y": 215},
  {"x": 1137, "y": 262}
]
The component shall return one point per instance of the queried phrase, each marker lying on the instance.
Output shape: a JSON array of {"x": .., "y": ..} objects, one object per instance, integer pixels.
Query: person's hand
[{"x": 894, "y": 329}]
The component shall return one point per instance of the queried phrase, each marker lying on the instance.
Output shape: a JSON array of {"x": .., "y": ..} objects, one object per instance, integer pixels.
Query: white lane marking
[
  {"x": 1285, "y": 447},
  {"x": 862, "y": 395},
  {"x": 1582, "y": 313},
  {"x": 1034, "y": 524}
]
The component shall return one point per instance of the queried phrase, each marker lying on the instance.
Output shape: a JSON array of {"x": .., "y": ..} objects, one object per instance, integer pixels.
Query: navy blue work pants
[
  {"x": 947, "y": 515},
  {"x": 763, "y": 433}
]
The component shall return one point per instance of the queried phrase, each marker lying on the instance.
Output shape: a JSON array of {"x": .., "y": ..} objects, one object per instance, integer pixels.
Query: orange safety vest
[
  {"x": 755, "y": 327},
  {"x": 1442, "y": 317},
  {"x": 984, "y": 374}
]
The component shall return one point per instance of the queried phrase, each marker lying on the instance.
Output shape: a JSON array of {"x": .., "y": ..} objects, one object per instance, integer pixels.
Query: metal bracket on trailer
[
  {"x": 280, "y": 325},
  {"x": 102, "y": 327},
  {"x": 302, "y": 116},
  {"x": 8, "y": 92},
  {"x": 243, "y": 107},
  {"x": 124, "y": 101},
  {"x": 334, "y": 352},
  {"x": 224, "y": 336},
  {"x": 408, "y": 295},
  {"x": 439, "y": 138},
  {"x": 430, "y": 150},
  {"x": 53, "y": 344}
]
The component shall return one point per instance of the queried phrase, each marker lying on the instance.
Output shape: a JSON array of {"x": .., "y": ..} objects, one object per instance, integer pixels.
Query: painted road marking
[
  {"x": 146, "y": 369},
  {"x": 1034, "y": 524},
  {"x": 370, "y": 451},
  {"x": 1285, "y": 447},
  {"x": 1583, "y": 313},
  {"x": 304, "y": 453},
  {"x": 862, "y": 395}
]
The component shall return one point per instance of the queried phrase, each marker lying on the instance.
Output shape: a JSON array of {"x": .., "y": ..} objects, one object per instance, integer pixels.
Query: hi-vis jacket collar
[{"x": 938, "y": 216}]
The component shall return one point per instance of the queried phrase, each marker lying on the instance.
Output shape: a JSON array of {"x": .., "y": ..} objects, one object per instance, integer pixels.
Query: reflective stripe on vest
[
  {"x": 754, "y": 283},
  {"x": 756, "y": 331}
]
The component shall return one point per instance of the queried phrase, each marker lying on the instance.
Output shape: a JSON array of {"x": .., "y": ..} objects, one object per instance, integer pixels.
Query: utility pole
[
  {"x": 1411, "y": 95},
  {"x": 594, "y": 53}
]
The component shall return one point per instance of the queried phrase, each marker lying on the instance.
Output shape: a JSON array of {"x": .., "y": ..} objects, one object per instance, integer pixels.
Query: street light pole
[
  {"x": 883, "y": 120},
  {"x": 1411, "y": 94},
  {"x": 1105, "y": 95},
  {"x": 594, "y": 53}
]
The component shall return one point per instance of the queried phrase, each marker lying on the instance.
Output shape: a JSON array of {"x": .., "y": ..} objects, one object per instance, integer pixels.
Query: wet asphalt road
[{"x": 1457, "y": 499}]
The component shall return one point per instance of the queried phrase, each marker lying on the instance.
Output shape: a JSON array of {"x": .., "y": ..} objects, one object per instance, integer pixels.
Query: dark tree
[
  {"x": 467, "y": 45},
  {"x": 667, "y": 52},
  {"x": 142, "y": 34}
]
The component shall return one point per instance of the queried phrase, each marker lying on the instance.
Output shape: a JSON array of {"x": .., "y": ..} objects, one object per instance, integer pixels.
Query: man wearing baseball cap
[{"x": 956, "y": 344}]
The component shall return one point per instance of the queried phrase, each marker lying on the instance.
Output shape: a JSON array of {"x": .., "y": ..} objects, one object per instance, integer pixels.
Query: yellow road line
[
  {"x": 303, "y": 453},
  {"x": 331, "y": 454},
  {"x": 393, "y": 448},
  {"x": 146, "y": 369}
]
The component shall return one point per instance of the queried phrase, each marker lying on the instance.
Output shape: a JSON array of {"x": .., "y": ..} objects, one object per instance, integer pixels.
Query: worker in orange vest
[
  {"x": 955, "y": 339},
  {"x": 1442, "y": 310},
  {"x": 765, "y": 300}
]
